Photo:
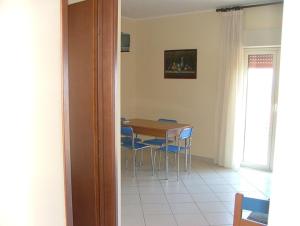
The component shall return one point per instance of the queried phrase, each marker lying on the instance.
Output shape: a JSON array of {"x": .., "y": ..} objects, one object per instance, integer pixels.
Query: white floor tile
[
  {"x": 244, "y": 187},
  {"x": 190, "y": 220},
  {"x": 226, "y": 196},
  {"x": 218, "y": 218},
  {"x": 229, "y": 206},
  {"x": 179, "y": 198},
  {"x": 210, "y": 175},
  {"x": 151, "y": 189},
  {"x": 148, "y": 182},
  {"x": 153, "y": 198},
  {"x": 133, "y": 221},
  {"x": 205, "y": 197},
  {"x": 212, "y": 207},
  {"x": 160, "y": 220},
  {"x": 175, "y": 189},
  {"x": 129, "y": 181},
  {"x": 184, "y": 208},
  {"x": 222, "y": 188},
  {"x": 156, "y": 208},
  {"x": 129, "y": 190},
  {"x": 130, "y": 199},
  {"x": 132, "y": 209},
  {"x": 211, "y": 181},
  {"x": 195, "y": 189}
]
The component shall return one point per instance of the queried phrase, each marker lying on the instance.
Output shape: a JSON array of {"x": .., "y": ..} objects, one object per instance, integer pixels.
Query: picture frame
[{"x": 180, "y": 64}]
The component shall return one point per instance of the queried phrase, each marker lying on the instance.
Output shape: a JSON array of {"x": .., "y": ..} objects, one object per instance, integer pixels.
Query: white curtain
[{"x": 230, "y": 118}]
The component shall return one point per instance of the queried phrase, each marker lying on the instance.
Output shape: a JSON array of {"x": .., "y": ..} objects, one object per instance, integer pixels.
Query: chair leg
[
  {"x": 126, "y": 160},
  {"x": 159, "y": 160},
  {"x": 142, "y": 158},
  {"x": 190, "y": 151},
  {"x": 186, "y": 159},
  {"x": 154, "y": 159},
  {"x": 152, "y": 162},
  {"x": 177, "y": 166},
  {"x": 134, "y": 162}
]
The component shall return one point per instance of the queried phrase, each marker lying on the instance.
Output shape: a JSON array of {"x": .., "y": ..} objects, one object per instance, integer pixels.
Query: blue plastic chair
[
  {"x": 131, "y": 144},
  {"x": 125, "y": 138},
  {"x": 159, "y": 142},
  {"x": 185, "y": 137}
]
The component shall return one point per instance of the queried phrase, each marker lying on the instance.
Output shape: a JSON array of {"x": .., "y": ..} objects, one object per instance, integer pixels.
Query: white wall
[
  {"x": 31, "y": 148},
  {"x": 188, "y": 101}
]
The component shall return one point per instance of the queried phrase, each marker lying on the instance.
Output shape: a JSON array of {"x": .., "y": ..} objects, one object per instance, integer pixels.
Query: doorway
[{"x": 261, "y": 73}]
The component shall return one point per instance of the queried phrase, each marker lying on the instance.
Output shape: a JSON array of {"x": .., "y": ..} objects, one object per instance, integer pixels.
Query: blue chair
[
  {"x": 185, "y": 137},
  {"x": 159, "y": 142},
  {"x": 259, "y": 211},
  {"x": 130, "y": 144},
  {"x": 125, "y": 138}
]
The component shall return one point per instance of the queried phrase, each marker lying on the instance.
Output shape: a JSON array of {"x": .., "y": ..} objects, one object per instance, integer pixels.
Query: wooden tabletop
[{"x": 155, "y": 128}]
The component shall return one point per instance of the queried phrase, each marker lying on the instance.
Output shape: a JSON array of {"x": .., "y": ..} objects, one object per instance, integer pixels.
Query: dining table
[{"x": 155, "y": 128}]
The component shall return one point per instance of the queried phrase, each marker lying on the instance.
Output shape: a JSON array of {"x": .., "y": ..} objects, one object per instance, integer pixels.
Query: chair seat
[
  {"x": 136, "y": 145},
  {"x": 172, "y": 148},
  {"x": 258, "y": 217},
  {"x": 129, "y": 140},
  {"x": 156, "y": 141}
]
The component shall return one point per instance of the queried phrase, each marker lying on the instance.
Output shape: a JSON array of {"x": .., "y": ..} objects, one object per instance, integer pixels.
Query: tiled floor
[{"x": 204, "y": 197}]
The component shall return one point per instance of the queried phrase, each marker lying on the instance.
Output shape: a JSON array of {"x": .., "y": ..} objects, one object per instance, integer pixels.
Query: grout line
[
  {"x": 141, "y": 204},
  {"x": 169, "y": 204},
  {"x": 212, "y": 192},
  {"x": 194, "y": 201}
]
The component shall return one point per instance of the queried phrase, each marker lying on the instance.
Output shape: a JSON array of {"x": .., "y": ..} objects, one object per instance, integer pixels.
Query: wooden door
[
  {"x": 91, "y": 182},
  {"x": 83, "y": 113}
]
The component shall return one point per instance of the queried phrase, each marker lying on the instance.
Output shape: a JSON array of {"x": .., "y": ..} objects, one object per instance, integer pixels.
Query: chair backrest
[
  {"x": 256, "y": 205},
  {"x": 251, "y": 204},
  {"x": 167, "y": 120},
  {"x": 186, "y": 133},
  {"x": 126, "y": 131}
]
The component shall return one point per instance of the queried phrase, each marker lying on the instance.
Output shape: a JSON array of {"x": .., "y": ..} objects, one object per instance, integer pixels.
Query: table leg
[{"x": 167, "y": 160}]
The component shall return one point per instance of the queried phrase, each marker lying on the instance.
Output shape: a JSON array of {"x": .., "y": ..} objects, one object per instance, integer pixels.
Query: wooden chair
[{"x": 257, "y": 206}]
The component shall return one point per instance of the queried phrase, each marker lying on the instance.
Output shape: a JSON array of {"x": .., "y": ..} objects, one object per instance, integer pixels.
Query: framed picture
[{"x": 181, "y": 64}]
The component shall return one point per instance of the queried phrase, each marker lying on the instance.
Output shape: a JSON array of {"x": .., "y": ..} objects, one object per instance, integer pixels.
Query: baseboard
[
  {"x": 204, "y": 159},
  {"x": 201, "y": 158}
]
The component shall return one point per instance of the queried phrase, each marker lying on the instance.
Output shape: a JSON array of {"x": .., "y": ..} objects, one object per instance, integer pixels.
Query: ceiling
[{"x": 139, "y": 9}]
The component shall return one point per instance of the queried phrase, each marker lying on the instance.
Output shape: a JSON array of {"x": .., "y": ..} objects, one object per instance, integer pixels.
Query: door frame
[
  {"x": 106, "y": 50},
  {"x": 266, "y": 50}
]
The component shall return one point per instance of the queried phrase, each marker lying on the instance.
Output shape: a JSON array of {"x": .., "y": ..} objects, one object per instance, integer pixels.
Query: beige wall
[
  {"x": 128, "y": 71},
  {"x": 31, "y": 150},
  {"x": 189, "y": 101}
]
